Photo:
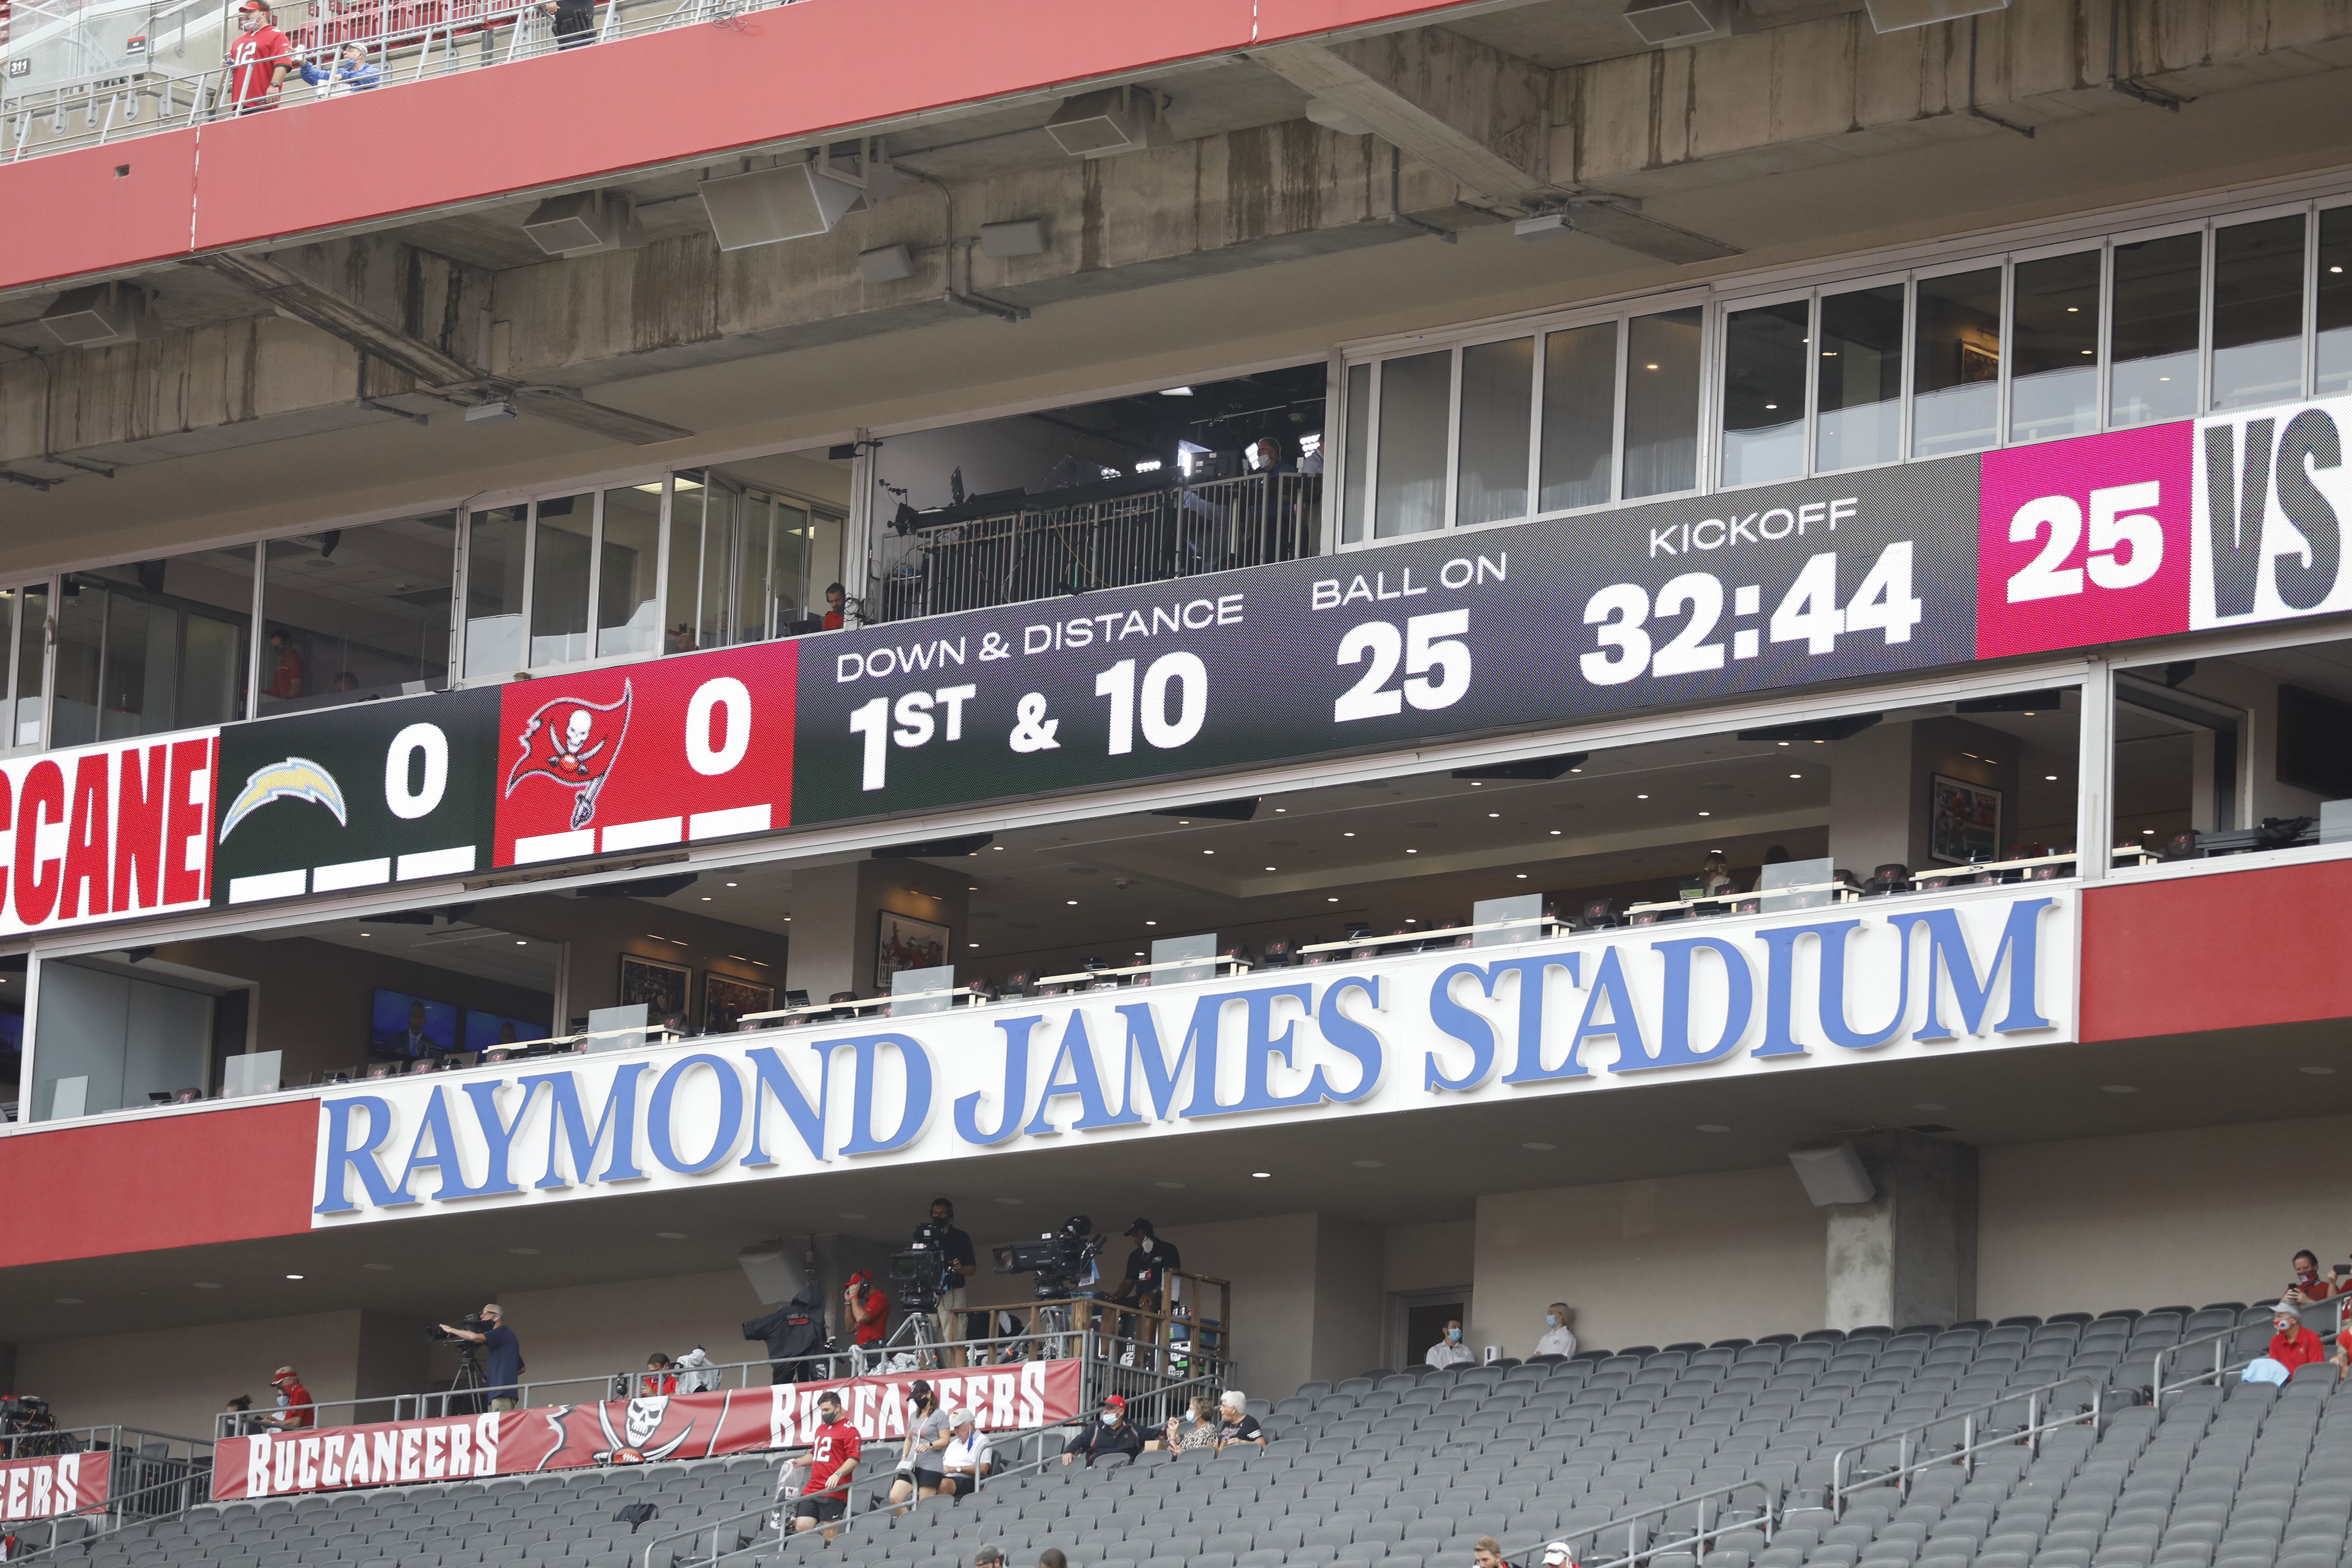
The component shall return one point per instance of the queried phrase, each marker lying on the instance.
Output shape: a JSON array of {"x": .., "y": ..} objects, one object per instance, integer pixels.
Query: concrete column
[
  {"x": 836, "y": 920},
  {"x": 1909, "y": 1255}
]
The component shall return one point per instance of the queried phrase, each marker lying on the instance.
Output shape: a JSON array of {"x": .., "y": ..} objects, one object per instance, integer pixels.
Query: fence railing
[
  {"x": 406, "y": 40},
  {"x": 1041, "y": 548},
  {"x": 154, "y": 1475}
]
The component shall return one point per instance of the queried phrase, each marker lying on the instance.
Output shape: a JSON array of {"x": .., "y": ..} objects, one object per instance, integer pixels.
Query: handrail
[{"x": 119, "y": 1510}]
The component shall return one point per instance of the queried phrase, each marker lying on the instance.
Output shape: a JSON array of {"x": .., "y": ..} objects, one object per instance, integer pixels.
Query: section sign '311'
[{"x": 1502, "y": 629}]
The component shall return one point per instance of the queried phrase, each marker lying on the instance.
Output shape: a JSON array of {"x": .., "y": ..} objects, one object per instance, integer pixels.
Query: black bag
[{"x": 634, "y": 1514}]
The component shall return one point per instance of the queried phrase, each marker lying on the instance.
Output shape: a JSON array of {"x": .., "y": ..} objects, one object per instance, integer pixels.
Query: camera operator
[
  {"x": 503, "y": 1374},
  {"x": 1109, "y": 1435},
  {"x": 869, "y": 1318},
  {"x": 955, "y": 1248},
  {"x": 1146, "y": 1285},
  {"x": 294, "y": 1410},
  {"x": 795, "y": 1336}
]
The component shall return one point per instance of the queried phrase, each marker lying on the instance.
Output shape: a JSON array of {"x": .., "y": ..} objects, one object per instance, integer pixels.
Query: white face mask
[
  {"x": 1454, "y": 1335},
  {"x": 1551, "y": 1320},
  {"x": 1110, "y": 1417}
]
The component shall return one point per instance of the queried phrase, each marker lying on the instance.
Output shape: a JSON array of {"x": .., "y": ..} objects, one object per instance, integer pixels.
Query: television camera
[
  {"x": 918, "y": 1273},
  {"x": 28, "y": 1429},
  {"x": 472, "y": 1322},
  {"x": 1061, "y": 1261}
]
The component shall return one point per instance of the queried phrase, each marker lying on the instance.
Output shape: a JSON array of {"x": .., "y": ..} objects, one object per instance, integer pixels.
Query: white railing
[{"x": 406, "y": 41}]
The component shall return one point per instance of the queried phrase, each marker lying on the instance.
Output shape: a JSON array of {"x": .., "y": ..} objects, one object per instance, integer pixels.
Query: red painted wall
[
  {"x": 2216, "y": 953},
  {"x": 232, "y": 1174},
  {"x": 696, "y": 92}
]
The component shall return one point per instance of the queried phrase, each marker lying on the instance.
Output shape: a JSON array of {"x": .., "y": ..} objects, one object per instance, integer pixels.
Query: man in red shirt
[
  {"x": 2308, "y": 1283},
  {"x": 870, "y": 1314},
  {"x": 295, "y": 1409},
  {"x": 258, "y": 59},
  {"x": 833, "y": 1458},
  {"x": 2293, "y": 1345}
]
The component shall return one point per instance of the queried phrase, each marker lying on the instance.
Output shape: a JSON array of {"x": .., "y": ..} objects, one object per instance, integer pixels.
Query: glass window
[
  {"x": 494, "y": 558},
  {"x": 686, "y": 503},
  {"x": 364, "y": 612},
  {"x": 1580, "y": 416},
  {"x": 1360, "y": 450},
  {"x": 2258, "y": 312},
  {"x": 2159, "y": 288},
  {"x": 32, "y": 658},
  {"x": 1662, "y": 403},
  {"x": 1415, "y": 395},
  {"x": 1859, "y": 373},
  {"x": 1498, "y": 417},
  {"x": 628, "y": 608},
  {"x": 1956, "y": 365},
  {"x": 151, "y": 646},
  {"x": 2335, "y": 301},
  {"x": 789, "y": 585},
  {"x": 751, "y": 581},
  {"x": 81, "y": 629},
  {"x": 562, "y": 555},
  {"x": 2055, "y": 341},
  {"x": 723, "y": 544},
  {"x": 1764, "y": 392}
]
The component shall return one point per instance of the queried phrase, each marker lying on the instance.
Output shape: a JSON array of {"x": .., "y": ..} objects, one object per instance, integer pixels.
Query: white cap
[{"x": 1558, "y": 1555}]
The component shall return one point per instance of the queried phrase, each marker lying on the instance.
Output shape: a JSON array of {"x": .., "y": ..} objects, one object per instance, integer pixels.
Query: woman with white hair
[{"x": 1235, "y": 1424}]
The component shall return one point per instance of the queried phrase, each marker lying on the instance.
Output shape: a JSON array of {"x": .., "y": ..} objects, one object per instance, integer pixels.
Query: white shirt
[
  {"x": 965, "y": 1456},
  {"x": 1445, "y": 1352},
  {"x": 1558, "y": 1342}
]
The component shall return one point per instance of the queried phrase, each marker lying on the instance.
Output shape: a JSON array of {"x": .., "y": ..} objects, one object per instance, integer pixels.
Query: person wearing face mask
[
  {"x": 927, "y": 1430},
  {"x": 1148, "y": 1285},
  {"x": 295, "y": 1409},
  {"x": 2309, "y": 1285},
  {"x": 1449, "y": 1351},
  {"x": 1111, "y": 1434},
  {"x": 1559, "y": 1330}
]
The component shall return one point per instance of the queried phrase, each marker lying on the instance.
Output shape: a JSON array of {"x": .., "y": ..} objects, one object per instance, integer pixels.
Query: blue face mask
[
  {"x": 1455, "y": 1336},
  {"x": 1551, "y": 1320},
  {"x": 1110, "y": 1417}
]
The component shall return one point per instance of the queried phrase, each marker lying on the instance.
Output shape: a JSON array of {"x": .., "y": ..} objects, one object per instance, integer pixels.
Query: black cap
[
  {"x": 988, "y": 1554},
  {"x": 1144, "y": 1225},
  {"x": 917, "y": 1388}
]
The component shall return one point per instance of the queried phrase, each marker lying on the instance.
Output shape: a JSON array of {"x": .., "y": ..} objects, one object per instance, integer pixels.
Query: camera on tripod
[
  {"x": 22, "y": 1413},
  {"x": 1061, "y": 1261},
  {"x": 472, "y": 1322},
  {"x": 920, "y": 1272}
]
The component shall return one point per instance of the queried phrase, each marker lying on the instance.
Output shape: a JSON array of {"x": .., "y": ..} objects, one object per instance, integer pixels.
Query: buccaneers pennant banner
[
  {"x": 626, "y": 1431},
  {"x": 52, "y": 1485}
]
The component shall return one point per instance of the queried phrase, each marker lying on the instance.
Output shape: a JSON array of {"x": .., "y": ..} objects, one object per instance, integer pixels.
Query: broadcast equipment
[
  {"x": 919, "y": 1273},
  {"x": 1061, "y": 1261}
]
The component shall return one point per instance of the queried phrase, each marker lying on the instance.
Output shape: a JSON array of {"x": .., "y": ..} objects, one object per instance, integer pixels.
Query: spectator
[
  {"x": 1449, "y": 1351},
  {"x": 1236, "y": 1425},
  {"x": 1200, "y": 1431},
  {"x": 927, "y": 1439},
  {"x": 259, "y": 61},
  {"x": 1487, "y": 1553},
  {"x": 659, "y": 1377},
  {"x": 832, "y": 1460},
  {"x": 1558, "y": 1555},
  {"x": 2291, "y": 1344},
  {"x": 241, "y": 1419},
  {"x": 349, "y": 71},
  {"x": 682, "y": 639},
  {"x": 1109, "y": 1435},
  {"x": 1052, "y": 1558},
  {"x": 2343, "y": 1356},
  {"x": 1559, "y": 1330},
  {"x": 575, "y": 21},
  {"x": 795, "y": 1334},
  {"x": 295, "y": 1407},
  {"x": 869, "y": 1315},
  {"x": 836, "y": 613},
  {"x": 965, "y": 1463},
  {"x": 502, "y": 1373},
  {"x": 286, "y": 673},
  {"x": 2309, "y": 1285},
  {"x": 988, "y": 1557},
  {"x": 694, "y": 1372}
]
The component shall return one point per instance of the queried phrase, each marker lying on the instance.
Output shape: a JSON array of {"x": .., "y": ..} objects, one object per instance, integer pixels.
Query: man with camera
[
  {"x": 954, "y": 1250},
  {"x": 502, "y": 1372},
  {"x": 1146, "y": 1285}
]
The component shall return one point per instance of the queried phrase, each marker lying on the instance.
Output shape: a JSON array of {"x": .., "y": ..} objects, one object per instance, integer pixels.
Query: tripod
[
  {"x": 915, "y": 1331},
  {"x": 465, "y": 1391}
]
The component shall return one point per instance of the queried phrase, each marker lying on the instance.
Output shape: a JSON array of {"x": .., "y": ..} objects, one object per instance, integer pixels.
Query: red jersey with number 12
[{"x": 836, "y": 1444}]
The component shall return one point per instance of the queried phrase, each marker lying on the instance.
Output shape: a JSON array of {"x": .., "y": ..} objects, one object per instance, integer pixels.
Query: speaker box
[
  {"x": 1832, "y": 1173},
  {"x": 775, "y": 1277},
  {"x": 1657, "y": 22},
  {"x": 766, "y": 205},
  {"x": 1893, "y": 16}
]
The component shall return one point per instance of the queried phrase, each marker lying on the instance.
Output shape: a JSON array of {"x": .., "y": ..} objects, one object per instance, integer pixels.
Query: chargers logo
[
  {"x": 575, "y": 744},
  {"x": 295, "y": 778}
]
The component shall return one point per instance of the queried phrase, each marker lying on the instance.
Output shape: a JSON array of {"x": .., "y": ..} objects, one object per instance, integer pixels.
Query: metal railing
[
  {"x": 153, "y": 1475},
  {"x": 408, "y": 40},
  {"x": 1043, "y": 549}
]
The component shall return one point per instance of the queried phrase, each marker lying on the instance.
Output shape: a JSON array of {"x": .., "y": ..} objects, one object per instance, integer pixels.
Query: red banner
[
  {"x": 668, "y": 751},
  {"x": 52, "y": 1485},
  {"x": 626, "y": 1431}
]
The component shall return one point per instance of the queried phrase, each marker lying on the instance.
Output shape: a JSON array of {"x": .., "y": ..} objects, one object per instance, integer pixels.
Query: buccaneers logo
[
  {"x": 574, "y": 744},
  {"x": 649, "y": 1431}
]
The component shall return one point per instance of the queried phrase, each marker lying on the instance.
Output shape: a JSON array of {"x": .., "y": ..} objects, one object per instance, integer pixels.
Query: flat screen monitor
[
  {"x": 400, "y": 1024},
  {"x": 485, "y": 1031}
]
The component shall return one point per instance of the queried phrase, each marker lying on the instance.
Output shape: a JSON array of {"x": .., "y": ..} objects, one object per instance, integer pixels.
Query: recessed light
[
  {"x": 1330, "y": 900},
  {"x": 1713, "y": 1127},
  {"x": 1171, "y": 1186},
  {"x": 1274, "y": 867},
  {"x": 972, "y": 944},
  {"x": 1412, "y": 851},
  {"x": 671, "y": 1235},
  {"x": 2318, "y": 1071},
  {"x": 1780, "y": 743},
  {"x": 1072, "y": 903},
  {"x": 207, "y": 1285},
  {"x": 733, "y": 884},
  {"x": 2050, "y": 778},
  {"x": 1281, "y": 811},
  {"x": 521, "y": 942},
  {"x": 1522, "y": 876},
  {"x": 377, "y": 1268},
  {"x": 1370, "y": 1164},
  {"x": 2117, "y": 1089},
  {"x": 1555, "y": 833},
  {"x": 1347, "y": 834},
  {"x": 1262, "y": 1176},
  {"x": 1208, "y": 852},
  {"x": 367, "y": 933},
  {"x": 1492, "y": 815},
  {"x": 1796, "y": 776},
  {"x": 1152, "y": 923},
  {"x": 293, "y": 1277},
  {"x": 1706, "y": 814},
  {"x": 1541, "y": 1148},
  {"x": 705, "y": 898},
  {"x": 847, "y": 1214},
  {"x": 524, "y": 1251},
  {"x": 1641, "y": 797}
]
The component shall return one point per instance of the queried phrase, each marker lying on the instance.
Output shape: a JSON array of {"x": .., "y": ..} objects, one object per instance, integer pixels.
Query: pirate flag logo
[
  {"x": 574, "y": 744},
  {"x": 650, "y": 1429}
]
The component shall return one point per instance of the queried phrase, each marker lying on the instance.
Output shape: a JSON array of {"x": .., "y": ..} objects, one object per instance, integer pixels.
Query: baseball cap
[
  {"x": 2285, "y": 1309},
  {"x": 1558, "y": 1555},
  {"x": 988, "y": 1554},
  {"x": 282, "y": 1373},
  {"x": 917, "y": 1388},
  {"x": 1118, "y": 1401},
  {"x": 961, "y": 1417},
  {"x": 1140, "y": 1225}
]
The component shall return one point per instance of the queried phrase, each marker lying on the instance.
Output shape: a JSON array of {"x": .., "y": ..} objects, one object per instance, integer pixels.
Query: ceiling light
[
  {"x": 1330, "y": 900},
  {"x": 1522, "y": 876},
  {"x": 1280, "y": 810},
  {"x": 1412, "y": 851},
  {"x": 1175, "y": 391},
  {"x": 1350, "y": 834},
  {"x": 1543, "y": 225},
  {"x": 2050, "y": 778},
  {"x": 1641, "y": 797},
  {"x": 293, "y": 1277},
  {"x": 1262, "y": 1176},
  {"x": 1706, "y": 814},
  {"x": 2318, "y": 1071},
  {"x": 1555, "y": 833},
  {"x": 972, "y": 944},
  {"x": 1492, "y": 815},
  {"x": 1152, "y": 923},
  {"x": 732, "y": 884},
  {"x": 671, "y": 1235},
  {"x": 521, "y": 942},
  {"x": 1779, "y": 743},
  {"x": 1208, "y": 852},
  {"x": 1072, "y": 903}
]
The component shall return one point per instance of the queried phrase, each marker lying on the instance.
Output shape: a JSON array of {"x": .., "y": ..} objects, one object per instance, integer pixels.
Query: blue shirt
[{"x": 505, "y": 1369}]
